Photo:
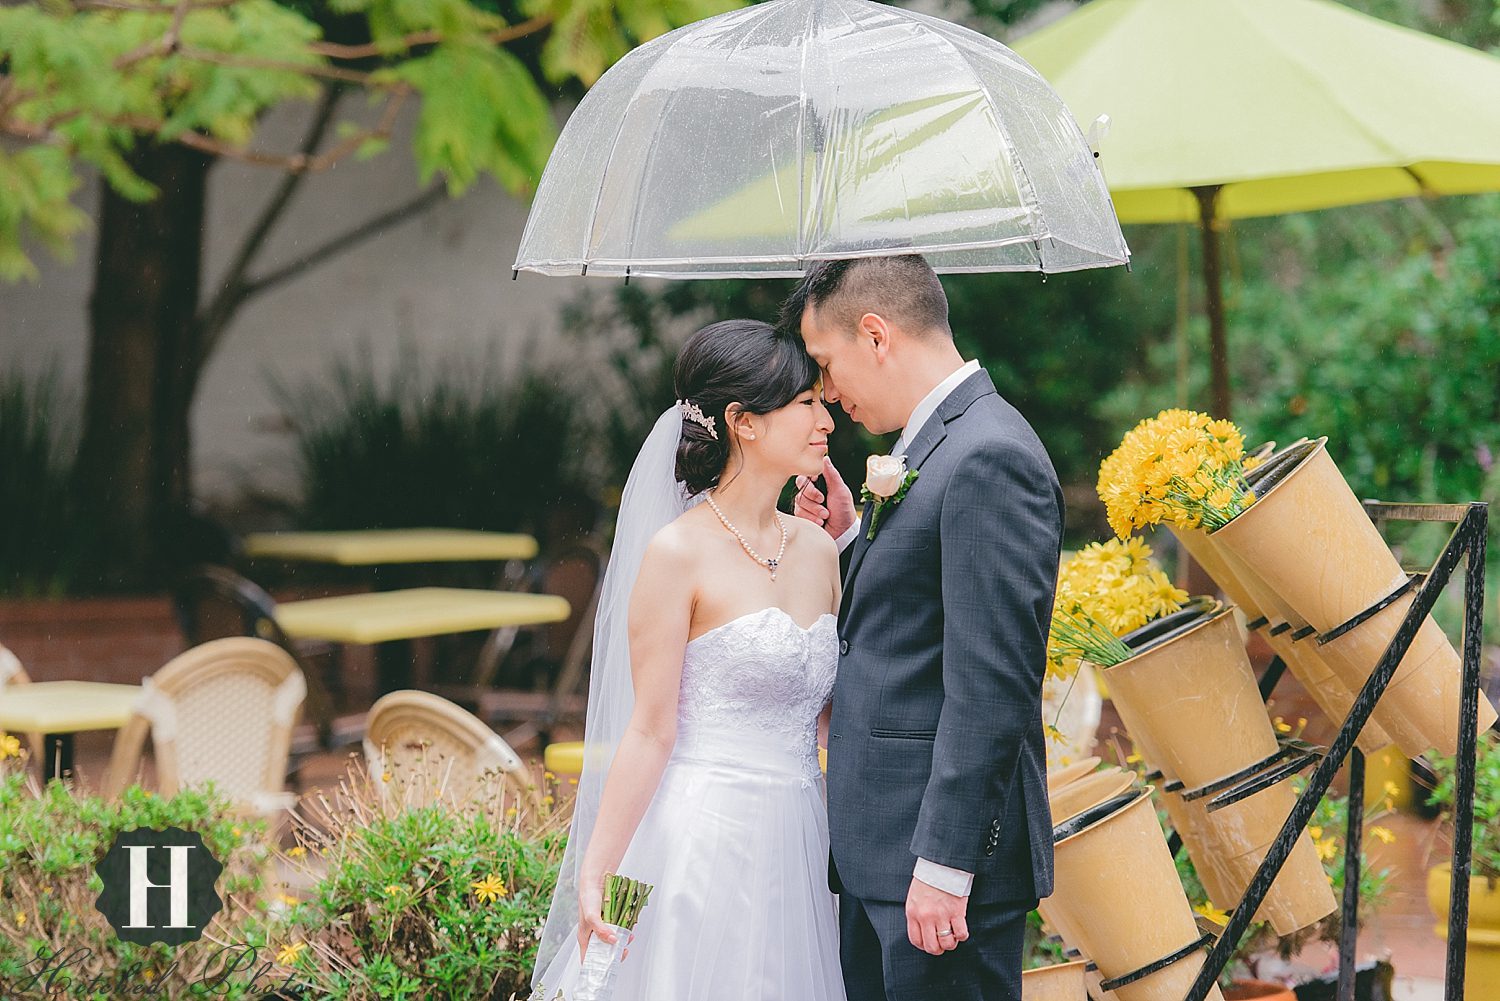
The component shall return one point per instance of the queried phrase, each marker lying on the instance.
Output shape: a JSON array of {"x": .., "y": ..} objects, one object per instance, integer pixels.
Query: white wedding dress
[{"x": 735, "y": 840}]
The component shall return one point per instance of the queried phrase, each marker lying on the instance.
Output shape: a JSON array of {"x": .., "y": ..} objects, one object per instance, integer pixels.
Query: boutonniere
[{"x": 886, "y": 482}]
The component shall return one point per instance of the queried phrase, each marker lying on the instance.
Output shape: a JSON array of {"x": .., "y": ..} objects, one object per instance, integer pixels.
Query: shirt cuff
[
  {"x": 945, "y": 878},
  {"x": 850, "y": 534}
]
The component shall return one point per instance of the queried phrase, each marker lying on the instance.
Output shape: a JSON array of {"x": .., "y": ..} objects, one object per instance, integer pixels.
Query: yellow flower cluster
[
  {"x": 1105, "y": 591},
  {"x": 1180, "y": 467},
  {"x": 1121, "y": 585}
]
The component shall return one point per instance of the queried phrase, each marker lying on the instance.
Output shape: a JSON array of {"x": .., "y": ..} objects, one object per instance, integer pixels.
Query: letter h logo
[{"x": 159, "y": 886}]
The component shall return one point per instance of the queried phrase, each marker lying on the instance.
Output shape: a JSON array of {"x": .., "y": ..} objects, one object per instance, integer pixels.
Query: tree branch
[
  {"x": 333, "y": 50},
  {"x": 250, "y": 62},
  {"x": 149, "y": 8},
  {"x": 210, "y": 336},
  {"x": 161, "y": 46},
  {"x": 216, "y": 315},
  {"x": 346, "y": 241}
]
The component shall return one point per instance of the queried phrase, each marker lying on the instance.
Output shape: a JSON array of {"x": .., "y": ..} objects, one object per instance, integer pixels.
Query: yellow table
[
  {"x": 400, "y": 545},
  {"x": 60, "y": 709},
  {"x": 381, "y": 616}
]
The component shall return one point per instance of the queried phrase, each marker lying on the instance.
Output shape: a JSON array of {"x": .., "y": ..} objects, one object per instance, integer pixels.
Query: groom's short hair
[{"x": 903, "y": 289}]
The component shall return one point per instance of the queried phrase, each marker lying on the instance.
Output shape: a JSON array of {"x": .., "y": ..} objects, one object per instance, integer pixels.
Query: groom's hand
[
  {"x": 930, "y": 911},
  {"x": 835, "y": 511}
]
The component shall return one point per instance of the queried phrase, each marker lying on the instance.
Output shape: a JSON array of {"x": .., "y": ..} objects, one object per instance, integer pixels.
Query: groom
[{"x": 938, "y": 821}]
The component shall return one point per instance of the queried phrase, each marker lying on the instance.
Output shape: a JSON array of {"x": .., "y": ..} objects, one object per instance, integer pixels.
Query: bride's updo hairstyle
[{"x": 743, "y": 362}]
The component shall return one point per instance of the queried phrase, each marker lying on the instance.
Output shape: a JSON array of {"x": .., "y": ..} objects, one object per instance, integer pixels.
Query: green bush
[
  {"x": 44, "y": 546},
  {"x": 465, "y": 447},
  {"x": 443, "y": 900},
  {"x": 1486, "y": 835},
  {"x": 51, "y": 838}
]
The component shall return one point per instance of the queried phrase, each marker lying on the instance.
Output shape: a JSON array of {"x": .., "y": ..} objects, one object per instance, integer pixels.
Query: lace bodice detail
[{"x": 761, "y": 675}]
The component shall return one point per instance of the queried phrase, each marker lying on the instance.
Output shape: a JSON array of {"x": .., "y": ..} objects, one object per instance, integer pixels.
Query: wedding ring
[{"x": 945, "y": 931}]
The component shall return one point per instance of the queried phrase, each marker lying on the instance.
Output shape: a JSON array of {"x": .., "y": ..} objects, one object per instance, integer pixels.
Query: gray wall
[{"x": 441, "y": 281}]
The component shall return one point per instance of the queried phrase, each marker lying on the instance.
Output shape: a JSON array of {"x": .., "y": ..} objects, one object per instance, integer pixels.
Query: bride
[{"x": 715, "y": 649}]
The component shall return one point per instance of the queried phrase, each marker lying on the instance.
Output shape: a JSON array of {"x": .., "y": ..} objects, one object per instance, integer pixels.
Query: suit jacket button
[{"x": 843, "y": 646}]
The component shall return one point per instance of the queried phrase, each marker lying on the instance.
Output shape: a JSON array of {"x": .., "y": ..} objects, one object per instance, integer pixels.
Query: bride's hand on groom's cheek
[{"x": 835, "y": 510}]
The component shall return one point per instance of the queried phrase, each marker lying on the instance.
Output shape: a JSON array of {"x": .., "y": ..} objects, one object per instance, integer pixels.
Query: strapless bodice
[{"x": 752, "y": 689}]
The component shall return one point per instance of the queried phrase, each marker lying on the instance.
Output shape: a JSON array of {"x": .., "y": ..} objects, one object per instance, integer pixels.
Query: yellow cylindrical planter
[
  {"x": 1059, "y": 777},
  {"x": 1092, "y": 980},
  {"x": 1228, "y": 845},
  {"x": 1482, "y": 952},
  {"x": 1256, "y": 600},
  {"x": 1116, "y": 887},
  {"x": 1310, "y": 540},
  {"x": 1076, "y": 797},
  {"x": 1062, "y": 982},
  {"x": 1194, "y": 700},
  {"x": 1069, "y": 801},
  {"x": 1189, "y": 821},
  {"x": 1243, "y": 831}
]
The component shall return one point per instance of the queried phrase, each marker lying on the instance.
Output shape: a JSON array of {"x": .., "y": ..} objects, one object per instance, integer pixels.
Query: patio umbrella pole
[{"x": 1218, "y": 344}]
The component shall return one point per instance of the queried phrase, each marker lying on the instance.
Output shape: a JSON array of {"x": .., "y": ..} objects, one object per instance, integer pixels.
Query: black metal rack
[{"x": 1467, "y": 542}]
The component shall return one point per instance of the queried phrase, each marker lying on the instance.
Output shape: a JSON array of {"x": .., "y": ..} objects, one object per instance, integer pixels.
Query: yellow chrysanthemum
[
  {"x": 1179, "y": 467},
  {"x": 1103, "y": 592},
  {"x": 10, "y": 747},
  {"x": 1383, "y": 834},
  {"x": 1213, "y": 914},
  {"x": 288, "y": 954},
  {"x": 489, "y": 889}
]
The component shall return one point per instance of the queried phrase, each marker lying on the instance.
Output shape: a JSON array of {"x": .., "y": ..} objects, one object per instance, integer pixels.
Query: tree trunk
[{"x": 133, "y": 462}]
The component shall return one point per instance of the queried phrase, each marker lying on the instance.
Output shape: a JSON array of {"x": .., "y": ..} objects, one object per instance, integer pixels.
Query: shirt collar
[{"x": 931, "y": 402}]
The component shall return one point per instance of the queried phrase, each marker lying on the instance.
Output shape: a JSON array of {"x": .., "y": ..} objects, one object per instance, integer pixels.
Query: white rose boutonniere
[{"x": 886, "y": 482}]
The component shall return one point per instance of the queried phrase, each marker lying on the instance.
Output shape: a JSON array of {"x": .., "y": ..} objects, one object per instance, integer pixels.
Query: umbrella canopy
[
  {"x": 1226, "y": 109},
  {"x": 747, "y": 144},
  {"x": 1287, "y": 105}
]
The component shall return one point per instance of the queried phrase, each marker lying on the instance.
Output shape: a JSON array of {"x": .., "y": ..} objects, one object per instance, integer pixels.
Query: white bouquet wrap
[
  {"x": 623, "y": 899},
  {"x": 600, "y": 962}
]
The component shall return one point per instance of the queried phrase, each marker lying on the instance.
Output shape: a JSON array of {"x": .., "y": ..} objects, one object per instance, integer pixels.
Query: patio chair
[
  {"x": 12, "y": 673},
  {"x": 212, "y": 602},
  {"x": 423, "y": 747},
  {"x": 537, "y": 710},
  {"x": 221, "y": 712}
]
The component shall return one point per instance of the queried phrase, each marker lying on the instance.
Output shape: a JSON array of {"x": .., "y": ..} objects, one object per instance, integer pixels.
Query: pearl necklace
[{"x": 769, "y": 564}]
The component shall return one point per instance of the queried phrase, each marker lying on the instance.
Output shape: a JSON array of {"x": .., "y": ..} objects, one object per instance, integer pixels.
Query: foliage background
[{"x": 1376, "y": 325}]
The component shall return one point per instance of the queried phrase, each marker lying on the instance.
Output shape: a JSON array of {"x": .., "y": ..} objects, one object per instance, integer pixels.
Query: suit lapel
[{"x": 927, "y": 440}]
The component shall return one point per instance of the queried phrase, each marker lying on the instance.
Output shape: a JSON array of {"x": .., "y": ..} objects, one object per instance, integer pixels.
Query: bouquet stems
[{"x": 623, "y": 899}]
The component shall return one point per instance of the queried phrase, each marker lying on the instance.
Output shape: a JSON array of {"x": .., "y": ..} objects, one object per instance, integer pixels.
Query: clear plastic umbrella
[{"x": 748, "y": 144}]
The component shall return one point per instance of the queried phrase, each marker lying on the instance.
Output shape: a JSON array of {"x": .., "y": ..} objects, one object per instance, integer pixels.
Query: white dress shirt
[
  {"x": 919, "y": 416},
  {"x": 946, "y": 878}
]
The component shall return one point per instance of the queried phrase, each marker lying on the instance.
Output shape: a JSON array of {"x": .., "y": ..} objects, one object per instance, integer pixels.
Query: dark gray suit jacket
[{"x": 936, "y": 746}]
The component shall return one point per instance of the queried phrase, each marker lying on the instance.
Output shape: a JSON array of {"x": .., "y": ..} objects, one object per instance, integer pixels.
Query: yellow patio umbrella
[{"x": 1230, "y": 109}]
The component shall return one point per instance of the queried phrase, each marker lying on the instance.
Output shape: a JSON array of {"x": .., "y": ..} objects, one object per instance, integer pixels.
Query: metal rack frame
[{"x": 1467, "y": 542}]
